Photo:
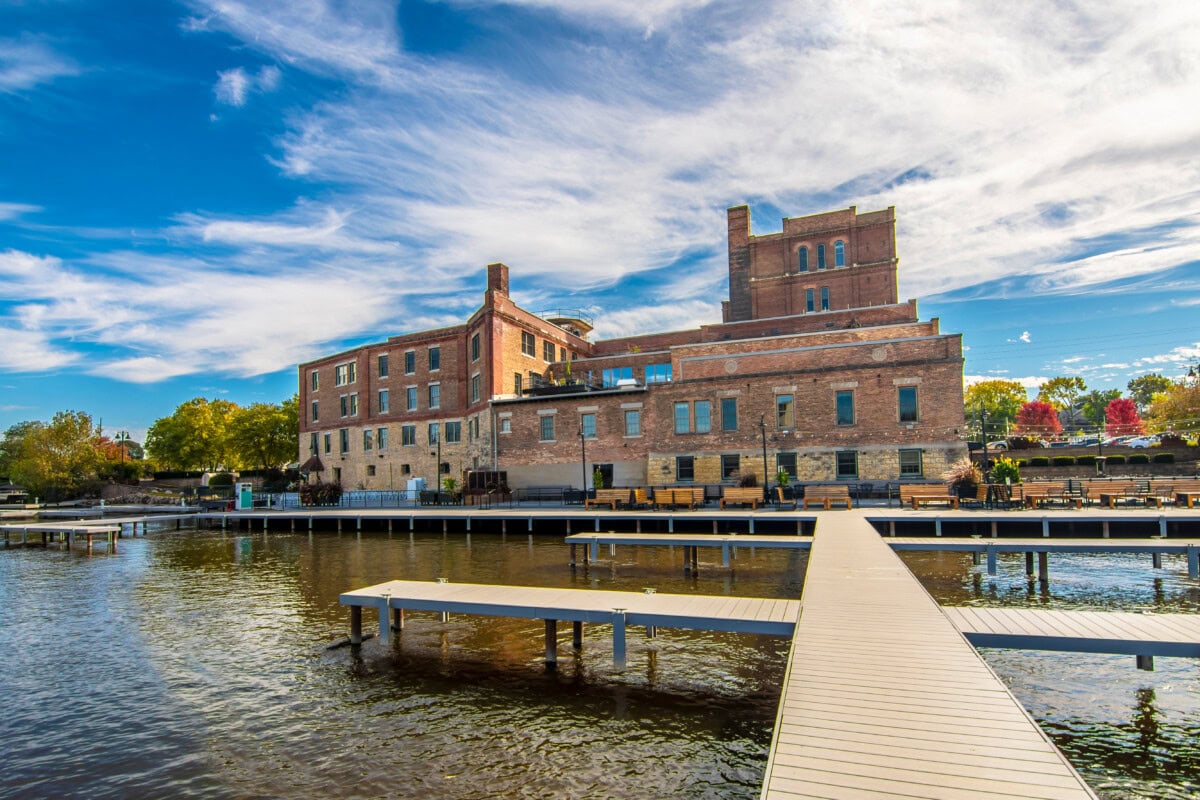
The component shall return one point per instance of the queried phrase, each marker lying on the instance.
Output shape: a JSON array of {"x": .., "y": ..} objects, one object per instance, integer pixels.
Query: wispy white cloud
[
  {"x": 27, "y": 62},
  {"x": 9, "y": 211},
  {"x": 1027, "y": 381},
  {"x": 234, "y": 84}
]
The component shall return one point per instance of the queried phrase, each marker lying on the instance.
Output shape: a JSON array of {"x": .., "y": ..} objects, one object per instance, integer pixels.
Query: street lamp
[
  {"x": 122, "y": 439},
  {"x": 437, "y": 470},
  {"x": 583, "y": 459},
  {"x": 762, "y": 426}
]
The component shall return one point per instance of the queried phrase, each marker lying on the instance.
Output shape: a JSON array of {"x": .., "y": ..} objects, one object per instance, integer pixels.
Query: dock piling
[
  {"x": 356, "y": 625},
  {"x": 618, "y": 621},
  {"x": 551, "y": 643}
]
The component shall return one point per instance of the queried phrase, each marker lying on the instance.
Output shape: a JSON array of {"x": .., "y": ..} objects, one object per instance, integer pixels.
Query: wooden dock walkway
[
  {"x": 689, "y": 542},
  {"x": 1117, "y": 632},
  {"x": 618, "y": 609},
  {"x": 884, "y": 698},
  {"x": 1156, "y": 548}
]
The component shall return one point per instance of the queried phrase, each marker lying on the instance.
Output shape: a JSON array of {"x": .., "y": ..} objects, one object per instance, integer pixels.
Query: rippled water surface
[{"x": 195, "y": 664}]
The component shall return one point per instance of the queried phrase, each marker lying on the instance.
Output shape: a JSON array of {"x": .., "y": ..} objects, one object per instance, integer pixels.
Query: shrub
[
  {"x": 749, "y": 479},
  {"x": 1005, "y": 469},
  {"x": 1039, "y": 461},
  {"x": 963, "y": 475},
  {"x": 221, "y": 479},
  {"x": 1164, "y": 458},
  {"x": 1064, "y": 461},
  {"x": 174, "y": 474},
  {"x": 1116, "y": 459},
  {"x": 1139, "y": 458},
  {"x": 320, "y": 494},
  {"x": 1085, "y": 461},
  {"x": 1023, "y": 443},
  {"x": 1171, "y": 440}
]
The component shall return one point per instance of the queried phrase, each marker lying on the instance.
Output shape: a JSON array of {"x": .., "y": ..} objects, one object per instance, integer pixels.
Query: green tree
[
  {"x": 1095, "y": 402},
  {"x": 195, "y": 436},
  {"x": 1143, "y": 389},
  {"x": 58, "y": 459},
  {"x": 266, "y": 435},
  {"x": 1001, "y": 400},
  {"x": 1177, "y": 409},
  {"x": 1062, "y": 393},
  {"x": 11, "y": 444}
]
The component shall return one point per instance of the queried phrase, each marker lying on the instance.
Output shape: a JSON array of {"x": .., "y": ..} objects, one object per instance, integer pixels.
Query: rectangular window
[
  {"x": 820, "y": 256},
  {"x": 316, "y": 382},
  {"x": 683, "y": 422},
  {"x": 703, "y": 411},
  {"x": 528, "y": 343},
  {"x": 435, "y": 359},
  {"x": 408, "y": 435},
  {"x": 433, "y": 432},
  {"x": 562, "y": 354},
  {"x": 476, "y": 390},
  {"x": 518, "y": 383},
  {"x": 314, "y": 411},
  {"x": 411, "y": 398},
  {"x": 685, "y": 468},
  {"x": 312, "y": 444},
  {"x": 785, "y": 411},
  {"x": 633, "y": 423},
  {"x": 824, "y": 298},
  {"x": 910, "y": 464},
  {"x": 547, "y": 351},
  {"x": 344, "y": 374},
  {"x": 546, "y": 431},
  {"x": 847, "y": 464},
  {"x": 587, "y": 424},
  {"x": 729, "y": 413},
  {"x": 731, "y": 466},
  {"x": 370, "y": 470},
  {"x": 344, "y": 405},
  {"x": 381, "y": 438},
  {"x": 787, "y": 463},
  {"x": 337, "y": 475},
  {"x": 845, "y": 408},
  {"x": 435, "y": 395},
  {"x": 328, "y": 443},
  {"x": 475, "y": 347},
  {"x": 344, "y": 440},
  {"x": 410, "y": 362},
  {"x": 368, "y": 439},
  {"x": 907, "y": 400},
  {"x": 354, "y": 405},
  {"x": 383, "y": 365},
  {"x": 610, "y": 377},
  {"x": 453, "y": 432},
  {"x": 384, "y": 402},
  {"x": 506, "y": 425},
  {"x": 809, "y": 300},
  {"x": 658, "y": 373}
]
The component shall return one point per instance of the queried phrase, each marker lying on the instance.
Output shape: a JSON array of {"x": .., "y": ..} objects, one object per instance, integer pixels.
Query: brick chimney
[{"x": 498, "y": 278}]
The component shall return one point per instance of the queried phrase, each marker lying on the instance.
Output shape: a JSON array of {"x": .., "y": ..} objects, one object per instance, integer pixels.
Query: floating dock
[{"x": 688, "y": 542}]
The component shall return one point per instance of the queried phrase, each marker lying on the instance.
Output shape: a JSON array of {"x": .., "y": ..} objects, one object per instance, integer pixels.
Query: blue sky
[{"x": 197, "y": 196}]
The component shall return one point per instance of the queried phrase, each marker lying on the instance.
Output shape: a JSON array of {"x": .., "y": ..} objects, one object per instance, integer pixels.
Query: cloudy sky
[{"x": 196, "y": 196}]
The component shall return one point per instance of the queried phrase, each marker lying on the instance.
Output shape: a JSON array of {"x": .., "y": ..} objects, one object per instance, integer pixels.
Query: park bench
[
  {"x": 826, "y": 496},
  {"x": 742, "y": 495},
  {"x": 1038, "y": 495},
  {"x": 918, "y": 495},
  {"x": 608, "y": 497},
  {"x": 1129, "y": 493},
  {"x": 1186, "y": 493},
  {"x": 671, "y": 497}
]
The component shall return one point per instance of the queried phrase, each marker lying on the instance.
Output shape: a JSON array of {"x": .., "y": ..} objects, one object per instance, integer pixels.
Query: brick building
[{"x": 816, "y": 368}]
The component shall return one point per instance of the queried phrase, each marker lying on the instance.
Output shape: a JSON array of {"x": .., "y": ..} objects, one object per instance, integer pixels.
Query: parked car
[
  {"x": 1142, "y": 441},
  {"x": 998, "y": 445}
]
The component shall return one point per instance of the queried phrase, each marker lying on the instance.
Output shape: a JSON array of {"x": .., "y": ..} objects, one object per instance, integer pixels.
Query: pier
[
  {"x": 689, "y": 542},
  {"x": 578, "y": 606}
]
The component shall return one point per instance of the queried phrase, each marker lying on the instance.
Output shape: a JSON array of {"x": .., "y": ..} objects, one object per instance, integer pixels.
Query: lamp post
[
  {"x": 983, "y": 432},
  {"x": 437, "y": 469},
  {"x": 583, "y": 460},
  {"x": 122, "y": 439},
  {"x": 762, "y": 426}
]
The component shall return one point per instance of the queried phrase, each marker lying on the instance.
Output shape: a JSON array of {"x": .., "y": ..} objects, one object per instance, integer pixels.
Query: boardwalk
[
  {"x": 1081, "y": 631},
  {"x": 883, "y": 697},
  {"x": 689, "y": 543},
  {"x": 619, "y": 609}
]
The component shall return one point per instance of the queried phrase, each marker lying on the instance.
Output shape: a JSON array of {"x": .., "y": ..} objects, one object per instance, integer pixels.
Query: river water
[{"x": 196, "y": 664}]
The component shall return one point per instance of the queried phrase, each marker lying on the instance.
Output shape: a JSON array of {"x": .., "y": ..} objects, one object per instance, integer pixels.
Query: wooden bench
[
  {"x": 641, "y": 498},
  {"x": 1129, "y": 492},
  {"x": 1186, "y": 493},
  {"x": 826, "y": 496},
  {"x": 608, "y": 497},
  {"x": 671, "y": 497},
  {"x": 1038, "y": 494},
  {"x": 742, "y": 495},
  {"x": 918, "y": 495},
  {"x": 784, "y": 501}
]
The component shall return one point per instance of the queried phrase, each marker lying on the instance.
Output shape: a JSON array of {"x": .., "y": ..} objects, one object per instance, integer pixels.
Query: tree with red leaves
[
  {"x": 1038, "y": 418},
  {"x": 1121, "y": 416}
]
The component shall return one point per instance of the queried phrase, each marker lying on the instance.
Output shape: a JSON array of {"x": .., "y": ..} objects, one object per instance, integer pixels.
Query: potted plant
[
  {"x": 963, "y": 477},
  {"x": 1005, "y": 470}
]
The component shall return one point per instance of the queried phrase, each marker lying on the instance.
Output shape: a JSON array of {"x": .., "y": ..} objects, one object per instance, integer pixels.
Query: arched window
[
  {"x": 839, "y": 253},
  {"x": 820, "y": 256},
  {"x": 802, "y": 259}
]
